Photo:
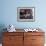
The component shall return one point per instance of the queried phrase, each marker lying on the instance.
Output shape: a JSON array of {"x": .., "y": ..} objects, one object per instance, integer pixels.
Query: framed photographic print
[{"x": 26, "y": 14}]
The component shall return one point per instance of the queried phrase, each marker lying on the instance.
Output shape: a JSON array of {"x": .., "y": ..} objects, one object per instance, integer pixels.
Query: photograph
[{"x": 25, "y": 14}]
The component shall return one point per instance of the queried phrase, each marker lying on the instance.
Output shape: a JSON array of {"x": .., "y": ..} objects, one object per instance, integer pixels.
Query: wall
[{"x": 8, "y": 13}]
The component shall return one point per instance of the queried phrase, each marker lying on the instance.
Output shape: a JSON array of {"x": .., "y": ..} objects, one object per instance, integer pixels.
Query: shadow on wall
[{"x": 2, "y": 26}]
